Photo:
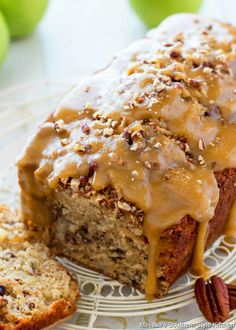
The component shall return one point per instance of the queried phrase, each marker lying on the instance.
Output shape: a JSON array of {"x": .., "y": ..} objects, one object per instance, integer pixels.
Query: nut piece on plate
[
  {"x": 215, "y": 298},
  {"x": 35, "y": 290},
  {"x": 232, "y": 295}
]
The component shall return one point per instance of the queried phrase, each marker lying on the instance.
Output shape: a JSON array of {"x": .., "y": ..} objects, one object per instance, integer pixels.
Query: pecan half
[
  {"x": 213, "y": 299},
  {"x": 232, "y": 295}
]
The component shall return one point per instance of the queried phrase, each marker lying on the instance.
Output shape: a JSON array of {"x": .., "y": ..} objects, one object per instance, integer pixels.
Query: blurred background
[{"x": 81, "y": 36}]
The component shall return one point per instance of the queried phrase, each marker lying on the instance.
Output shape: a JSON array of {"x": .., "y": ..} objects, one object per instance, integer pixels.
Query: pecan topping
[
  {"x": 31, "y": 306},
  {"x": 92, "y": 168},
  {"x": 194, "y": 82},
  {"x": 83, "y": 180},
  {"x": 213, "y": 111},
  {"x": 85, "y": 128},
  {"x": 213, "y": 299},
  {"x": 128, "y": 138},
  {"x": 176, "y": 54}
]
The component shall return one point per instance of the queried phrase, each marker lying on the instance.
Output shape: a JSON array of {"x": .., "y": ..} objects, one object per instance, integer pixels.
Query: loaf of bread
[
  {"x": 134, "y": 174},
  {"x": 35, "y": 290}
]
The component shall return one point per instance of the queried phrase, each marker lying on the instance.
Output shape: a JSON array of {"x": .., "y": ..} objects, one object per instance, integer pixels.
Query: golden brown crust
[
  {"x": 59, "y": 311},
  {"x": 226, "y": 180}
]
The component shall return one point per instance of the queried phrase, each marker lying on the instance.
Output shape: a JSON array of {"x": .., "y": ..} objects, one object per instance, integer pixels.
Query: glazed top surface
[{"x": 155, "y": 124}]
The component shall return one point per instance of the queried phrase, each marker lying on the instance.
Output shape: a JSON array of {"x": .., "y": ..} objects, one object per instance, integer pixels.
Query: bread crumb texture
[{"x": 35, "y": 290}]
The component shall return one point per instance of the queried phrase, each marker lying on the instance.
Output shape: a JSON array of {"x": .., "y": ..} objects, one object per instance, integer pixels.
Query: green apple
[
  {"x": 22, "y": 15},
  {"x": 4, "y": 38},
  {"x": 152, "y": 12}
]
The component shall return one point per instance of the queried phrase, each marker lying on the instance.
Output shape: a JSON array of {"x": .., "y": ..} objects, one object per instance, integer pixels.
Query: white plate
[{"x": 104, "y": 303}]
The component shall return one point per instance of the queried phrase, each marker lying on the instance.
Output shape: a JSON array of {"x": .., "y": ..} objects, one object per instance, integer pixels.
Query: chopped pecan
[
  {"x": 59, "y": 126},
  {"x": 83, "y": 180},
  {"x": 213, "y": 111},
  {"x": 85, "y": 128},
  {"x": 128, "y": 138},
  {"x": 176, "y": 54},
  {"x": 208, "y": 64},
  {"x": 92, "y": 168},
  {"x": 194, "y": 82},
  {"x": 31, "y": 305},
  {"x": 213, "y": 299},
  {"x": 168, "y": 44}
]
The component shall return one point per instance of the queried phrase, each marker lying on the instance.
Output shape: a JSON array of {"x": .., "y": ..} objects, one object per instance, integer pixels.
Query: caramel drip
[
  {"x": 230, "y": 230},
  {"x": 155, "y": 125},
  {"x": 198, "y": 266},
  {"x": 151, "y": 285}
]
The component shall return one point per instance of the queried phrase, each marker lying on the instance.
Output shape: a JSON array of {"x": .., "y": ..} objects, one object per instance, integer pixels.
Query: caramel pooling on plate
[{"x": 155, "y": 124}]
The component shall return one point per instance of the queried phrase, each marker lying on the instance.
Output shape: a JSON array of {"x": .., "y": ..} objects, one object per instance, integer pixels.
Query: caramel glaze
[{"x": 156, "y": 124}]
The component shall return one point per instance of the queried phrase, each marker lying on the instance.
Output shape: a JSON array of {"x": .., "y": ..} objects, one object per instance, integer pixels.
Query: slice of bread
[
  {"x": 35, "y": 290},
  {"x": 11, "y": 228}
]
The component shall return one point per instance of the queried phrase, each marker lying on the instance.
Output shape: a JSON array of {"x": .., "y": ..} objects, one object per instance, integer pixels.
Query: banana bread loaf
[{"x": 134, "y": 173}]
